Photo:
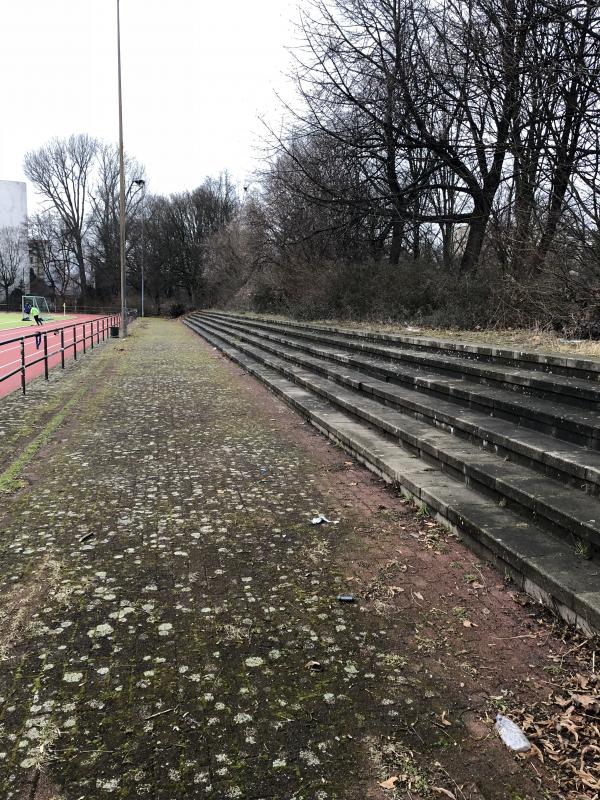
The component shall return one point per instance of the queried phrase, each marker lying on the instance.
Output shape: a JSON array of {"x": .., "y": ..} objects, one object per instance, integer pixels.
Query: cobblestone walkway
[{"x": 162, "y": 593}]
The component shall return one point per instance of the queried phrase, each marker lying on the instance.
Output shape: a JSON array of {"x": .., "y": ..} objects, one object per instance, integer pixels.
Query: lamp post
[
  {"x": 123, "y": 330},
  {"x": 142, "y": 184}
]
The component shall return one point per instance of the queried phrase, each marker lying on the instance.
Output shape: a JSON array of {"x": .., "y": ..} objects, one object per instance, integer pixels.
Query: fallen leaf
[
  {"x": 582, "y": 680},
  {"x": 390, "y": 783},
  {"x": 446, "y": 792},
  {"x": 586, "y": 701},
  {"x": 563, "y": 702},
  {"x": 445, "y": 721},
  {"x": 418, "y": 595},
  {"x": 468, "y": 624},
  {"x": 477, "y": 585},
  {"x": 315, "y": 666}
]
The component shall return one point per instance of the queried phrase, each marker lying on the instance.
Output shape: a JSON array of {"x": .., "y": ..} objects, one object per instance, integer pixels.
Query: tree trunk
[
  {"x": 577, "y": 105},
  {"x": 559, "y": 191},
  {"x": 417, "y": 242},
  {"x": 524, "y": 206},
  {"x": 378, "y": 243},
  {"x": 81, "y": 266},
  {"x": 396, "y": 243},
  {"x": 447, "y": 229},
  {"x": 477, "y": 228}
]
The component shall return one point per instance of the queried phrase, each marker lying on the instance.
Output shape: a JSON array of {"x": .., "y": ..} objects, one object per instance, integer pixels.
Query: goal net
[{"x": 29, "y": 301}]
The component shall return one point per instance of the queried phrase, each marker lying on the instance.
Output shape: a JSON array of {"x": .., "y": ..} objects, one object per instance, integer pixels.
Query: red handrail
[{"x": 103, "y": 324}]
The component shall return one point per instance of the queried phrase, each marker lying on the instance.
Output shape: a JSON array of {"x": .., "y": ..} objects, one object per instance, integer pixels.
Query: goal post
[{"x": 28, "y": 301}]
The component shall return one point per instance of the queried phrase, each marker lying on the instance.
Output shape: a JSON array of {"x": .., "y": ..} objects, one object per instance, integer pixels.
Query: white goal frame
[{"x": 39, "y": 302}]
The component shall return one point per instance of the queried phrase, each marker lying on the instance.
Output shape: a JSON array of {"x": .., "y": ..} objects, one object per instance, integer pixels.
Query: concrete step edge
[
  {"x": 550, "y": 501},
  {"x": 534, "y": 572},
  {"x": 540, "y": 359},
  {"x": 503, "y": 402},
  {"x": 572, "y": 390},
  {"x": 549, "y": 457}
]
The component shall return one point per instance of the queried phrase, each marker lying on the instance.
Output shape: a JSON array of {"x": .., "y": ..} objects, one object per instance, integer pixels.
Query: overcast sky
[{"x": 197, "y": 74}]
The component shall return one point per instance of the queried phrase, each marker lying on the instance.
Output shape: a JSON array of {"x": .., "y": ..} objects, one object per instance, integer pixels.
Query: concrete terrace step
[
  {"x": 550, "y": 416},
  {"x": 543, "y": 565},
  {"x": 574, "y": 516},
  {"x": 576, "y": 391},
  {"x": 586, "y": 368},
  {"x": 570, "y": 463}
]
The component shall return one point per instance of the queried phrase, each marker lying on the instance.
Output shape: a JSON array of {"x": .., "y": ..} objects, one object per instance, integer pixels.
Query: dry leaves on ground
[{"x": 565, "y": 730}]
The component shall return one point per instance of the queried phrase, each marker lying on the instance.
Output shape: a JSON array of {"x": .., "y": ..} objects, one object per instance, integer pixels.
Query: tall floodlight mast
[{"x": 123, "y": 330}]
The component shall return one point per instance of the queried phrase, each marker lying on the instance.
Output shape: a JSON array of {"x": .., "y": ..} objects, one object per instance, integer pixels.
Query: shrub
[{"x": 177, "y": 309}]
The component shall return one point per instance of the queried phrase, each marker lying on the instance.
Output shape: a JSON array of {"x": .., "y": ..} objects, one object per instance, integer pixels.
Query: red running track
[{"x": 95, "y": 327}]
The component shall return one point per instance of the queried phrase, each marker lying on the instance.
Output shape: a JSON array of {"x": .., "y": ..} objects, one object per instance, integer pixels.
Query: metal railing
[{"x": 92, "y": 332}]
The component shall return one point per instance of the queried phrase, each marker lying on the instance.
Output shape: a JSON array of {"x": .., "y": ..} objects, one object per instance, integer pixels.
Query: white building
[{"x": 13, "y": 214}]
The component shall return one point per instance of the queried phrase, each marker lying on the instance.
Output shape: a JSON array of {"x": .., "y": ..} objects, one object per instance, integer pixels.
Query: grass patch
[
  {"x": 15, "y": 320},
  {"x": 9, "y": 479}
]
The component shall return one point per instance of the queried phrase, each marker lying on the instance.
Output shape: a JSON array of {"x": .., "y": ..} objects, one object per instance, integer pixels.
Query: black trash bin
[{"x": 114, "y": 331}]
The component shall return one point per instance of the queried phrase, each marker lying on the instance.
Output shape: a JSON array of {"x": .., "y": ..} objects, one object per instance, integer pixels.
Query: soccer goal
[{"x": 29, "y": 301}]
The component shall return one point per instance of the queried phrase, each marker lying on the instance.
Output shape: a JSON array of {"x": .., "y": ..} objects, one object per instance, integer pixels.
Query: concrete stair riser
[
  {"x": 519, "y": 548},
  {"x": 535, "y": 498},
  {"x": 560, "y": 420},
  {"x": 574, "y": 391},
  {"x": 571, "y": 466},
  {"x": 587, "y": 369}
]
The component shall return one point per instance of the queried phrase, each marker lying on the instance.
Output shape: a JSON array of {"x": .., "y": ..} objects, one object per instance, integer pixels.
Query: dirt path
[{"x": 169, "y": 621}]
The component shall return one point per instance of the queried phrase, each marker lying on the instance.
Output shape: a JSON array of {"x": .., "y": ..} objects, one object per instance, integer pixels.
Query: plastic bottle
[{"x": 512, "y": 735}]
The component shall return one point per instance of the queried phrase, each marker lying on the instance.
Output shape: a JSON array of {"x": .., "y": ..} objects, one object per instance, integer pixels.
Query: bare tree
[
  {"x": 62, "y": 173},
  {"x": 11, "y": 257},
  {"x": 348, "y": 77},
  {"x": 424, "y": 95},
  {"x": 572, "y": 126},
  {"x": 103, "y": 228},
  {"x": 189, "y": 220},
  {"x": 178, "y": 230},
  {"x": 52, "y": 245}
]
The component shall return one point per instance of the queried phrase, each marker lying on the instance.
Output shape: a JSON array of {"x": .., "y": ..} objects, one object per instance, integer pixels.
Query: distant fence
[
  {"x": 34, "y": 354},
  {"x": 76, "y": 308}
]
